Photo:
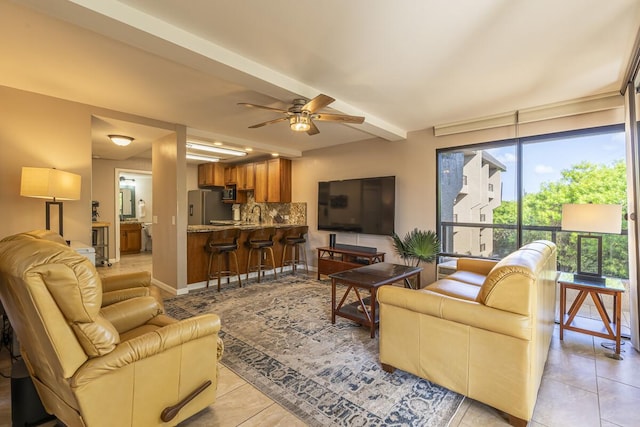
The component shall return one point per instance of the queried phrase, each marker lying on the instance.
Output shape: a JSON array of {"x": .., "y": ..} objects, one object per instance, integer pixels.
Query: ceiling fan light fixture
[
  {"x": 211, "y": 149},
  {"x": 121, "y": 140},
  {"x": 300, "y": 123}
]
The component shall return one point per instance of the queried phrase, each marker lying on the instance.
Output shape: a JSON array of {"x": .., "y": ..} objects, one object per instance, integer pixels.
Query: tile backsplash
[{"x": 274, "y": 213}]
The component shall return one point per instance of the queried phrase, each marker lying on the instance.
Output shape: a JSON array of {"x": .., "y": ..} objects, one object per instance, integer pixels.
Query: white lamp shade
[
  {"x": 592, "y": 218},
  {"x": 48, "y": 183}
]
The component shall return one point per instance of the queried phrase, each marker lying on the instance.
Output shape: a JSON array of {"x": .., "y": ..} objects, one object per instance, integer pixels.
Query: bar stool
[
  {"x": 261, "y": 240},
  {"x": 294, "y": 240},
  {"x": 219, "y": 243}
]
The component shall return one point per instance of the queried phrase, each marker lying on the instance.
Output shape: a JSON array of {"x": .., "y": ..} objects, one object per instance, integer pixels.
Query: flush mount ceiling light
[
  {"x": 121, "y": 140},
  {"x": 211, "y": 149},
  {"x": 192, "y": 156},
  {"x": 300, "y": 122}
]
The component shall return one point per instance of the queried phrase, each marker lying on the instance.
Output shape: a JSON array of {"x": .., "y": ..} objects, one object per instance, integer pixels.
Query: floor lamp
[
  {"x": 591, "y": 218},
  {"x": 53, "y": 184}
]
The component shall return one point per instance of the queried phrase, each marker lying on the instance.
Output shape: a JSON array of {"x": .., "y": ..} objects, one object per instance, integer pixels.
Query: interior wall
[
  {"x": 41, "y": 131},
  {"x": 169, "y": 218}
]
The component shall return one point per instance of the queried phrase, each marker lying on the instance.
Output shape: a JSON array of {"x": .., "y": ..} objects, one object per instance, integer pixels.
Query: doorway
[{"x": 133, "y": 203}]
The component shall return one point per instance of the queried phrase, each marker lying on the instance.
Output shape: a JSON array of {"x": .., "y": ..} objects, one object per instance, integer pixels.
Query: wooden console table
[
  {"x": 334, "y": 260},
  {"x": 606, "y": 327}
]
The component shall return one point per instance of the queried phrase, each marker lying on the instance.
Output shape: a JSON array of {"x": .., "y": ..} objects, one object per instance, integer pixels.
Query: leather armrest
[
  {"x": 148, "y": 345},
  {"x": 138, "y": 279},
  {"x": 131, "y": 313},
  {"x": 476, "y": 265},
  {"x": 113, "y": 297},
  {"x": 457, "y": 310}
]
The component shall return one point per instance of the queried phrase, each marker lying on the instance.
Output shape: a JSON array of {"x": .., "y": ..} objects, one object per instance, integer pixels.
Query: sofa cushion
[
  {"x": 455, "y": 288},
  {"x": 468, "y": 277}
]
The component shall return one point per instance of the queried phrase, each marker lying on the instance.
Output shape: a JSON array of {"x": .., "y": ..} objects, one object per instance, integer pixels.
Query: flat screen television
[{"x": 364, "y": 205}]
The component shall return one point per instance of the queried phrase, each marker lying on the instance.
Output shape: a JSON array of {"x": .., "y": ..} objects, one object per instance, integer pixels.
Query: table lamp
[
  {"x": 591, "y": 218},
  {"x": 49, "y": 183}
]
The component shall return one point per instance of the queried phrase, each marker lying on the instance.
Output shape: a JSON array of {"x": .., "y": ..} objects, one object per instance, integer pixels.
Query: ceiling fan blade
[
  {"x": 259, "y": 125},
  {"x": 263, "y": 107},
  {"x": 313, "y": 129},
  {"x": 317, "y": 103},
  {"x": 338, "y": 118}
]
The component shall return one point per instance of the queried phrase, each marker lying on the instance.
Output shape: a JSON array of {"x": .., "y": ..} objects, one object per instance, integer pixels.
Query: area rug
[{"x": 278, "y": 336}]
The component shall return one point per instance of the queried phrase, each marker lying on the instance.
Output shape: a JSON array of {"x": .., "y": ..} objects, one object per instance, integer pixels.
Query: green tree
[{"x": 582, "y": 183}]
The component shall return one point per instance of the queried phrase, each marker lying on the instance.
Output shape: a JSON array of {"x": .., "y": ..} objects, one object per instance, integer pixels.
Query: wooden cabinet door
[
  {"x": 260, "y": 190},
  {"x": 279, "y": 180},
  {"x": 249, "y": 176},
  {"x": 210, "y": 175},
  {"x": 231, "y": 175},
  {"x": 130, "y": 238}
]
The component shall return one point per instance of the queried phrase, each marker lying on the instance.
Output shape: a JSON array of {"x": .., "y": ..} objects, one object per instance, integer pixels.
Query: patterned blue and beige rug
[{"x": 278, "y": 336}]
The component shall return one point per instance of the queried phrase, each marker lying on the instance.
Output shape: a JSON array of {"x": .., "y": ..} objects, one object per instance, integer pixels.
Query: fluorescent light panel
[
  {"x": 211, "y": 149},
  {"x": 192, "y": 156}
]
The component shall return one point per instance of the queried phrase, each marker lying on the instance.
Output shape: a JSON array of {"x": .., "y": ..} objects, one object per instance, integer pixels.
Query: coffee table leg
[{"x": 333, "y": 301}]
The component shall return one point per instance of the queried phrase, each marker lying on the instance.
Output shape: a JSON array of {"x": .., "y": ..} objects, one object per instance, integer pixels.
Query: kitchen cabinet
[
  {"x": 130, "y": 238},
  {"x": 246, "y": 176},
  {"x": 279, "y": 180},
  {"x": 231, "y": 175},
  {"x": 273, "y": 181},
  {"x": 260, "y": 188},
  {"x": 210, "y": 175}
]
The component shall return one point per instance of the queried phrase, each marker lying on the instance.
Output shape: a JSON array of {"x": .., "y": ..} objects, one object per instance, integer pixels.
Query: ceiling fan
[{"x": 302, "y": 113}]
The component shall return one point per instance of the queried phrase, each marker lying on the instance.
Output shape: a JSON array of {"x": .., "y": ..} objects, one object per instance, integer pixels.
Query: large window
[{"x": 495, "y": 197}]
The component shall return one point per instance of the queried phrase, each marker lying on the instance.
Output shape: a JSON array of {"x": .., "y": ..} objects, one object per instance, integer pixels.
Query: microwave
[{"x": 229, "y": 193}]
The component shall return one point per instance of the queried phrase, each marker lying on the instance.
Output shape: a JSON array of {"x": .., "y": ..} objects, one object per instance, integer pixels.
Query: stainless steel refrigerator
[{"x": 207, "y": 205}]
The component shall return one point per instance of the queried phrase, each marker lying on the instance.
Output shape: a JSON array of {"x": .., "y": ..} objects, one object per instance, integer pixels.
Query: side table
[{"x": 606, "y": 327}]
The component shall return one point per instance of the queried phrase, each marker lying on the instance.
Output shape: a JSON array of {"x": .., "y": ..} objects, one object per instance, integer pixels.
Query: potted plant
[{"x": 415, "y": 247}]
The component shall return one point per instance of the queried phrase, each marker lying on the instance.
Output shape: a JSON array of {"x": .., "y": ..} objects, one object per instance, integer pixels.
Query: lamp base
[{"x": 589, "y": 278}]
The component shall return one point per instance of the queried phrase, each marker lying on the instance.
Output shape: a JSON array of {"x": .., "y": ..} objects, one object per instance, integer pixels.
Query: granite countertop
[{"x": 222, "y": 225}]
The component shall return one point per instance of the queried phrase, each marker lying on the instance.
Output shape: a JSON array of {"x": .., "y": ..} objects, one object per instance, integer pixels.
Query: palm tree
[{"x": 417, "y": 246}]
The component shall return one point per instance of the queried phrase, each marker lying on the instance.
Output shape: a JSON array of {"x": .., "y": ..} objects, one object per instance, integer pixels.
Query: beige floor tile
[
  {"x": 626, "y": 371},
  {"x": 562, "y": 405},
  {"x": 231, "y": 409},
  {"x": 618, "y": 402},
  {"x": 573, "y": 342},
  {"x": 479, "y": 414},
  {"x": 572, "y": 369},
  {"x": 228, "y": 381},
  {"x": 274, "y": 416}
]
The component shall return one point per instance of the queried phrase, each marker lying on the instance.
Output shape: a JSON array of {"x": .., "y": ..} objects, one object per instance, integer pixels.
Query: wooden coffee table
[{"x": 369, "y": 277}]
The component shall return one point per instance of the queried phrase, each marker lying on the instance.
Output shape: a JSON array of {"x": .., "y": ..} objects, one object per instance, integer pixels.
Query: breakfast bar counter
[{"x": 197, "y": 236}]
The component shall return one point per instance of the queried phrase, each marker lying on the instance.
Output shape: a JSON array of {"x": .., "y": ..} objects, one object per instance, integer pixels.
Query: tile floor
[{"x": 580, "y": 387}]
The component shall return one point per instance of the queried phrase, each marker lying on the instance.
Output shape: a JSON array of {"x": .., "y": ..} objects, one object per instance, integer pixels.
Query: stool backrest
[{"x": 266, "y": 233}]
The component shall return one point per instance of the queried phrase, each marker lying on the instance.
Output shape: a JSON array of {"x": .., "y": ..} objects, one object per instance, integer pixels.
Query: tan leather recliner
[
  {"x": 483, "y": 331},
  {"x": 125, "y": 364},
  {"x": 114, "y": 288}
]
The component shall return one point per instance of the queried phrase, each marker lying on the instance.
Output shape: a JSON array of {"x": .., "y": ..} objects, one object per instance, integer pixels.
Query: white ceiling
[{"x": 405, "y": 64}]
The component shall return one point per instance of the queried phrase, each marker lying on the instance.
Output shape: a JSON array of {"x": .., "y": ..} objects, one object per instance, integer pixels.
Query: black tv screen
[{"x": 365, "y": 205}]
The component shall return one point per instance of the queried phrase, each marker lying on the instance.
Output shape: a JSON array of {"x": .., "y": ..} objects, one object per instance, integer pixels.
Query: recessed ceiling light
[
  {"x": 275, "y": 154},
  {"x": 217, "y": 143},
  {"x": 249, "y": 149}
]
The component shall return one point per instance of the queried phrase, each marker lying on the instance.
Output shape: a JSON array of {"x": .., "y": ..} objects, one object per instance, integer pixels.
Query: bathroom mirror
[{"x": 127, "y": 199}]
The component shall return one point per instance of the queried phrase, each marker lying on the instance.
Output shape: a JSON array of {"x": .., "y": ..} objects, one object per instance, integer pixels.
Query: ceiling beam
[{"x": 131, "y": 26}]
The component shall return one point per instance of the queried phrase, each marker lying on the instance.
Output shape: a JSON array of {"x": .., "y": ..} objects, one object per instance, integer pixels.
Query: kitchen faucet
[{"x": 259, "y": 212}]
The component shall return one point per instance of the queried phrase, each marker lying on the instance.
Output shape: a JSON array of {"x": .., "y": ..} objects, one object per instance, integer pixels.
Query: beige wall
[{"x": 42, "y": 131}]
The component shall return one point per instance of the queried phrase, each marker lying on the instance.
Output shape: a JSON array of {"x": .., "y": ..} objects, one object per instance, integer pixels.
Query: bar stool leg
[
  {"x": 209, "y": 269},
  {"x": 302, "y": 255},
  {"x": 235, "y": 258},
  {"x": 249, "y": 263},
  {"x": 219, "y": 256},
  {"x": 273, "y": 262}
]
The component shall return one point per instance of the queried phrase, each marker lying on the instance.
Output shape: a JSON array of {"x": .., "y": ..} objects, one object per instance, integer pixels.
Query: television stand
[{"x": 334, "y": 260}]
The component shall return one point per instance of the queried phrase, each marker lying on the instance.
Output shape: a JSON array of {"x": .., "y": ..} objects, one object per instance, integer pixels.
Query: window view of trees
[{"x": 480, "y": 217}]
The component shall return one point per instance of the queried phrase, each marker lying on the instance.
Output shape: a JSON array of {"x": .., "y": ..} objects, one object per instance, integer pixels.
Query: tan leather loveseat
[
  {"x": 483, "y": 331},
  {"x": 125, "y": 364}
]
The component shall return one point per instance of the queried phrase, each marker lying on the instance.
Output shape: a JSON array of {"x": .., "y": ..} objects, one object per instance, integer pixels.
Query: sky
[{"x": 544, "y": 161}]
